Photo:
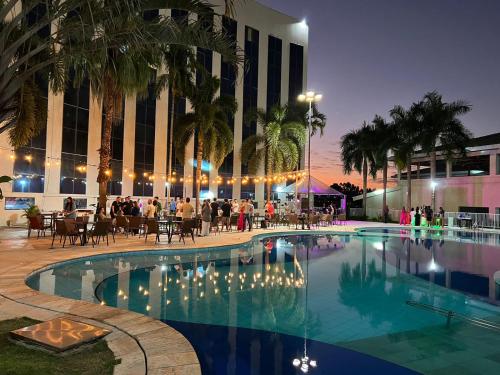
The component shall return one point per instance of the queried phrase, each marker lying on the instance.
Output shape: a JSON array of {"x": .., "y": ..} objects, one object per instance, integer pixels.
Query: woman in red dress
[{"x": 241, "y": 218}]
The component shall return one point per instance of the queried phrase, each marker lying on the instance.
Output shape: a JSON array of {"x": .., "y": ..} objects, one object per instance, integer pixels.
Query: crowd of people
[{"x": 421, "y": 216}]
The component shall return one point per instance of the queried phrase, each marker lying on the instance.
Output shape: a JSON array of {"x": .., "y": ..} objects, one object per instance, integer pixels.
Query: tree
[
  {"x": 279, "y": 145},
  {"x": 357, "y": 150},
  {"x": 127, "y": 64},
  {"x": 385, "y": 139},
  {"x": 442, "y": 127},
  {"x": 28, "y": 48},
  {"x": 209, "y": 121},
  {"x": 181, "y": 63},
  {"x": 407, "y": 125},
  {"x": 4, "y": 179}
]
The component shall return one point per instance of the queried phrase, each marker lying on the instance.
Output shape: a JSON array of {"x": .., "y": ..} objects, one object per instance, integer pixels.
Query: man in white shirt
[{"x": 248, "y": 212}]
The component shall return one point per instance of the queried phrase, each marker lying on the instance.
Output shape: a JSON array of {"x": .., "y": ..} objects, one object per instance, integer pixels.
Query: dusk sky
[{"x": 365, "y": 56}]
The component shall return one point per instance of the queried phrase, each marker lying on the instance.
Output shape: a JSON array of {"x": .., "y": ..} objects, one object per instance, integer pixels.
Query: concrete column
[
  {"x": 93, "y": 145},
  {"x": 238, "y": 117},
  {"x": 53, "y": 150},
  {"x": 123, "y": 285},
  {"x": 493, "y": 164},
  {"x": 128, "y": 145},
  {"x": 262, "y": 103},
  {"x": 160, "y": 159}
]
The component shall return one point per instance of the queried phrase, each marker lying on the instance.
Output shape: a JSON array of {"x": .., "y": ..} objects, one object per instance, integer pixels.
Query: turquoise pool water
[{"x": 340, "y": 289}]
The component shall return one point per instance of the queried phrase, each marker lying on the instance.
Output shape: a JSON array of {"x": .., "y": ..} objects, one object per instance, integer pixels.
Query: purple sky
[{"x": 365, "y": 56}]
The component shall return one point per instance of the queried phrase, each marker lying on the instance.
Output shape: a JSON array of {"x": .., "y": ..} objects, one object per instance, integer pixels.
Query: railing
[
  {"x": 375, "y": 213},
  {"x": 479, "y": 220},
  {"x": 450, "y": 314}
]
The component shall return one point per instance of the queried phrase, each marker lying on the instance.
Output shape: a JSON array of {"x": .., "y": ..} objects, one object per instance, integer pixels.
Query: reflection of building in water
[{"x": 466, "y": 266}]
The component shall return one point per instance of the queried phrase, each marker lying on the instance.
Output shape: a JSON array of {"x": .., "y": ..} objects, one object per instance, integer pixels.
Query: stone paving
[{"x": 144, "y": 345}]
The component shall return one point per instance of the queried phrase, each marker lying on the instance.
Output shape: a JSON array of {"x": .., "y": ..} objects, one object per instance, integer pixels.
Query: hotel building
[{"x": 62, "y": 161}]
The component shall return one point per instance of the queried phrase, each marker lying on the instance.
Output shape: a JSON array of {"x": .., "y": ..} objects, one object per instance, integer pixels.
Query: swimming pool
[{"x": 253, "y": 308}]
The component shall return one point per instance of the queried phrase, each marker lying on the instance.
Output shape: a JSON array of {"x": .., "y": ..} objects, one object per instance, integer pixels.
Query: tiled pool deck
[{"x": 143, "y": 344}]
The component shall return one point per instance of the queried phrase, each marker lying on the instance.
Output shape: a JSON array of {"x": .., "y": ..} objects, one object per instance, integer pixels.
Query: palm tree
[
  {"x": 209, "y": 121},
  {"x": 384, "y": 138},
  {"x": 127, "y": 65},
  {"x": 441, "y": 126},
  {"x": 357, "y": 153},
  {"x": 279, "y": 145},
  {"x": 26, "y": 51},
  {"x": 181, "y": 64},
  {"x": 407, "y": 125}
]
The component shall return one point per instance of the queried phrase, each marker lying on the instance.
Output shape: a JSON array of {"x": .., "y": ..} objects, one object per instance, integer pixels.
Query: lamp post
[{"x": 309, "y": 97}]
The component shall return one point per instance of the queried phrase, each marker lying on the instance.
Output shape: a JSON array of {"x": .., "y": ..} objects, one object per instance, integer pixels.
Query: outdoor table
[
  {"x": 169, "y": 226},
  {"x": 84, "y": 225},
  {"x": 464, "y": 220}
]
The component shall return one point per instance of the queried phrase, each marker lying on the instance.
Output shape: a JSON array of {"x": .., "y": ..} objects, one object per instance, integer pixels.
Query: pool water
[{"x": 341, "y": 294}]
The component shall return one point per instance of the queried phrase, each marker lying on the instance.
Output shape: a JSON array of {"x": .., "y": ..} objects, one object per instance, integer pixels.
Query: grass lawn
[{"x": 19, "y": 360}]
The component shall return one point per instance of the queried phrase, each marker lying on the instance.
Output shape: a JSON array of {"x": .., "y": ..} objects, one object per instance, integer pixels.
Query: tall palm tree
[
  {"x": 408, "y": 130},
  {"x": 181, "y": 64},
  {"x": 25, "y": 51},
  {"x": 442, "y": 127},
  {"x": 127, "y": 65},
  {"x": 357, "y": 155},
  {"x": 279, "y": 145},
  {"x": 384, "y": 138},
  {"x": 209, "y": 121}
]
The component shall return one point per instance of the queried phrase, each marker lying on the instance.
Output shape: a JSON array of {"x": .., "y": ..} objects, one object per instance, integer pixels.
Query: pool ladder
[{"x": 449, "y": 314}]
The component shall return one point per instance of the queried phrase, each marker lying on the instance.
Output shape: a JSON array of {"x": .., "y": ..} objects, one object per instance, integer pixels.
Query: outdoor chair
[
  {"x": 314, "y": 220},
  {"x": 186, "y": 228},
  {"x": 122, "y": 222},
  {"x": 101, "y": 229},
  {"x": 151, "y": 227},
  {"x": 293, "y": 219},
  {"x": 136, "y": 224},
  {"x": 66, "y": 228},
  {"x": 233, "y": 221},
  {"x": 275, "y": 220},
  {"x": 341, "y": 219},
  {"x": 37, "y": 223}
]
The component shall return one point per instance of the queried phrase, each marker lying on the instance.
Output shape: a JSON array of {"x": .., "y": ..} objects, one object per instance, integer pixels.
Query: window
[
  {"x": 73, "y": 174},
  {"x": 145, "y": 143},
  {"x": 29, "y": 170},
  {"x": 498, "y": 164},
  {"x": 471, "y": 166},
  {"x": 273, "y": 72},
  {"x": 296, "y": 72},
  {"x": 75, "y": 134}
]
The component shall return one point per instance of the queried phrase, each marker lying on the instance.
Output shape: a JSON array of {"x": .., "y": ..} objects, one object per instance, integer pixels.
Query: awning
[{"x": 317, "y": 188}]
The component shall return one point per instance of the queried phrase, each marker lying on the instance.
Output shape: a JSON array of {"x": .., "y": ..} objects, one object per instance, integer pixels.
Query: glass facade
[
  {"x": 250, "y": 92},
  {"x": 296, "y": 72},
  {"x": 471, "y": 166},
  {"x": 274, "y": 71},
  {"x": 74, "y": 137},
  {"x": 144, "y": 144},
  {"x": 228, "y": 88}
]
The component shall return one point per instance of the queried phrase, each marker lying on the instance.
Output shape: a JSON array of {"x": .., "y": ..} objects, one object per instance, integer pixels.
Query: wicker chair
[
  {"x": 186, "y": 228},
  {"x": 64, "y": 229},
  {"x": 122, "y": 222},
  {"x": 101, "y": 229},
  {"x": 37, "y": 223}
]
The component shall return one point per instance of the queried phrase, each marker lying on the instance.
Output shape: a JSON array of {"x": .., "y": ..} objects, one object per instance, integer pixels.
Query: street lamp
[{"x": 309, "y": 97}]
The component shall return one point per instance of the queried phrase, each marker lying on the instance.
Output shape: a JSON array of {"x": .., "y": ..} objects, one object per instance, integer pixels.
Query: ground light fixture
[{"x": 309, "y": 97}]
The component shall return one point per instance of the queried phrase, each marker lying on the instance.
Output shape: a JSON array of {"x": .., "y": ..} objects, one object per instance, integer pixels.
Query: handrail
[{"x": 449, "y": 314}]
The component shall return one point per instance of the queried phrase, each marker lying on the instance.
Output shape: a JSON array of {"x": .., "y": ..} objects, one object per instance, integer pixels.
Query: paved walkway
[{"x": 144, "y": 345}]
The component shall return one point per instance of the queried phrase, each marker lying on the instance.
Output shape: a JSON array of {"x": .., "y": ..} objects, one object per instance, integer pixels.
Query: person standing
[
  {"x": 135, "y": 211},
  {"x": 206, "y": 218},
  {"x": 417, "y": 217},
  {"x": 150, "y": 210},
  {"x": 159, "y": 207},
  {"x": 236, "y": 206},
  {"x": 115, "y": 207},
  {"x": 69, "y": 208},
  {"x": 226, "y": 214},
  {"x": 178, "y": 209},
  {"x": 214, "y": 206},
  {"x": 187, "y": 210},
  {"x": 172, "y": 206},
  {"x": 241, "y": 218},
  {"x": 248, "y": 210},
  {"x": 402, "y": 218}
]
